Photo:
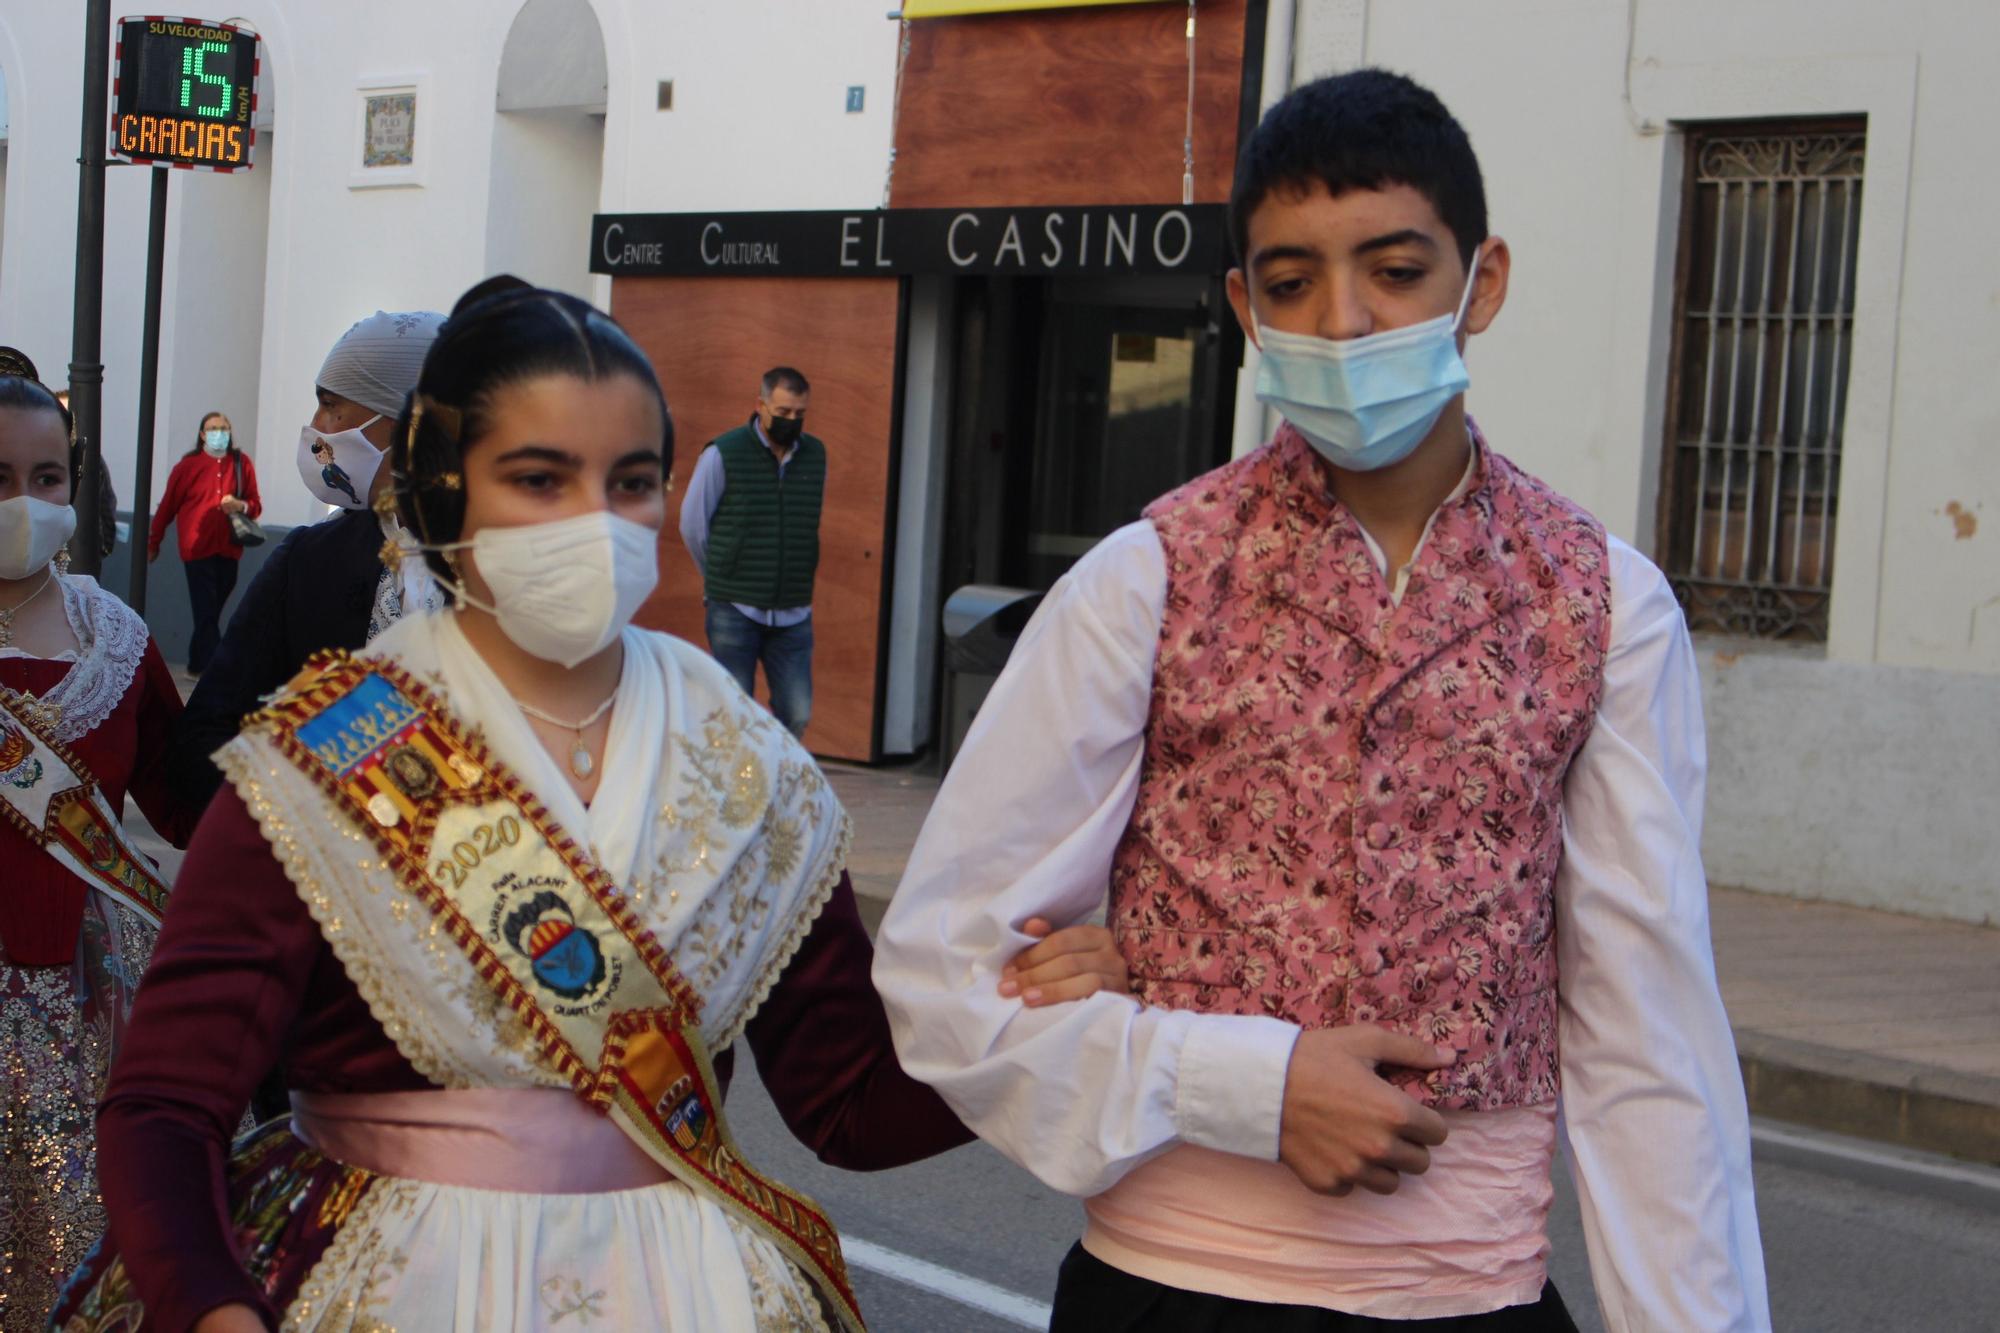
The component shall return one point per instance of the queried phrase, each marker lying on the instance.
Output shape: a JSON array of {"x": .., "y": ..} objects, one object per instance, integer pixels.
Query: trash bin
[{"x": 982, "y": 622}]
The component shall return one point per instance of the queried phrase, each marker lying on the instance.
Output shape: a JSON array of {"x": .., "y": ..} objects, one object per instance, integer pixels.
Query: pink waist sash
[
  {"x": 1467, "y": 1237},
  {"x": 523, "y": 1140}
]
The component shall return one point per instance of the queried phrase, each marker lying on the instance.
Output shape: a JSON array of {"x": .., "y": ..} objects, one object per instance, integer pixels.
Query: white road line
[
  {"x": 940, "y": 1281},
  {"x": 1885, "y": 1165}
]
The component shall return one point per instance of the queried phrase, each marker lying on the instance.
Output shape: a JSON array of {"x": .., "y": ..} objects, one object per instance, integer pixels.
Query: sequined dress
[{"x": 70, "y": 959}]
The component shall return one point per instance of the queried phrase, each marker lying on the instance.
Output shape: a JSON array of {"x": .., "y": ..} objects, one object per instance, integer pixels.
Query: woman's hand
[
  {"x": 232, "y": 505},
  {"x": 1068, "y": 964},
  {"x": 237, "y": 1318}
]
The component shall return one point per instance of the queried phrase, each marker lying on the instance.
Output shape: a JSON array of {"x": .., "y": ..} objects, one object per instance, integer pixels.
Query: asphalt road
[{"x": 1847, "y": 1248}]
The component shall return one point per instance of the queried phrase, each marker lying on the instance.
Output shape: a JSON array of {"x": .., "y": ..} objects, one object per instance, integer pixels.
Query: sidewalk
[{"x": 1881, "y": 1026}]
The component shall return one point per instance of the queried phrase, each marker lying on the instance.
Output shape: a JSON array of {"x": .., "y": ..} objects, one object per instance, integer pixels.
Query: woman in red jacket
[{"x": 212, "y": 481}]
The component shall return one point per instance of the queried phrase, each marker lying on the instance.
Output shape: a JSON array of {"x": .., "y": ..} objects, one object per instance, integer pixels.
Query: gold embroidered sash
[
  {"x": 545, "y": 928},
  {"x": 47, "y": 793}
]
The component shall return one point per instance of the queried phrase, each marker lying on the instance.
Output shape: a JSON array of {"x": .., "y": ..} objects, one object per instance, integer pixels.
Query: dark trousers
[
  {"x": 210, "y": 581},
  {"x": 1094, "y": 1297},
  {"x": 740, "y": 643}
]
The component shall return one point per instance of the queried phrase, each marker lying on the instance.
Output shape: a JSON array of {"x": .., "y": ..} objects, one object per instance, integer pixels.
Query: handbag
[{"x": 245, "y": 529}]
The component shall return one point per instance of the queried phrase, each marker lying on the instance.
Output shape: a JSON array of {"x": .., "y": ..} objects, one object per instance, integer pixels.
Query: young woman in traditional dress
[
  {"x": 85, "y": 704},
  {"x": 501, "y": 892}
]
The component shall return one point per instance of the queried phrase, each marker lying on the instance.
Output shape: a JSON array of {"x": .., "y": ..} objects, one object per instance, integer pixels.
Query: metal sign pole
[
  {"x": 86, "y": 370},
  {"x": 149, "y": 383}
]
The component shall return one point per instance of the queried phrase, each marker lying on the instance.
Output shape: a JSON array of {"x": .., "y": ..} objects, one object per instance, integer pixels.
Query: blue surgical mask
[
  {"x": 1366, "y": 403},
  {"x": 216, "y": 442}
]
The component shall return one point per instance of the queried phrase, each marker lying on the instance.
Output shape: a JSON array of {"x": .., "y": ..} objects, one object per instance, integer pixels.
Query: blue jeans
[{"x": 740, "y": 643}]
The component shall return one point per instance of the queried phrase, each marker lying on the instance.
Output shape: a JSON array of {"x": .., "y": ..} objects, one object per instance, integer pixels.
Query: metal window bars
[{"x": 1763, "y": 331}]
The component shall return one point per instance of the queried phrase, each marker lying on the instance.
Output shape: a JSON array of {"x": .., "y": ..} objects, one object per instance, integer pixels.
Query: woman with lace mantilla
[
  {"x": 500, "y": 893},
  {"x": 85, "y": 704}
]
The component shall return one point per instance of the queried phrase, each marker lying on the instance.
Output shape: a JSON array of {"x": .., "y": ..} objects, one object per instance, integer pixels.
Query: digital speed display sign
[{"x": 185, "y": 93}]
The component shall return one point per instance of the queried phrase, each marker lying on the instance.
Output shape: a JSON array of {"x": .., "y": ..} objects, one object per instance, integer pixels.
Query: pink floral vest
[{"x": 1351, "y": 810}]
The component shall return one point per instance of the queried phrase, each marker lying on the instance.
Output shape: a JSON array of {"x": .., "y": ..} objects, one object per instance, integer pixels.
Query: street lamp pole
[{"x": 86, "y": 369}]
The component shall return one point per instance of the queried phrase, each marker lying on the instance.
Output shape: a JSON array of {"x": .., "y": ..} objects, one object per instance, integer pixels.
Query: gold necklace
[
  {"x": 7, "y": 614},
  {"x": 580, "y": 762}
]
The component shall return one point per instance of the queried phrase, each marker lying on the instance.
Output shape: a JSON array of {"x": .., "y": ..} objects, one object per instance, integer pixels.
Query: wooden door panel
[
  {"x": 711, "y": 339},
  {"x": 1078, "y": 106}
]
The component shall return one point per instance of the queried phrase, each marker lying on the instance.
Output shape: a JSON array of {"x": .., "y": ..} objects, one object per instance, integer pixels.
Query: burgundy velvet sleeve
[
  {"x": 823, "y": 1050},
  {"x": 228, "y": 975},
  {"x": 172, "y": 815}
]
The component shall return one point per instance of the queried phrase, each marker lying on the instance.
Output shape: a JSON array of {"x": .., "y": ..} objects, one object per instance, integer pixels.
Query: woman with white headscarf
[{"x": 324, "y": 586}]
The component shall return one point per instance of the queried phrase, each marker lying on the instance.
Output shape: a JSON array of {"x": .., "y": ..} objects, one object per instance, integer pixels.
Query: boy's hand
[
  {"x": 1344, "y": 1125},
  {"x": 1068, "y": 964}
]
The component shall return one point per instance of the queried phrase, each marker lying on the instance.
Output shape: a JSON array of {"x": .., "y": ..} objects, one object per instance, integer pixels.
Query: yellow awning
[{"x": 940, "y": 9}]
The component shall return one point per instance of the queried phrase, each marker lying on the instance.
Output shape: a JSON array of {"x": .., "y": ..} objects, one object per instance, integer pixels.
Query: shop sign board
[{"x": 1096, "y": 240}]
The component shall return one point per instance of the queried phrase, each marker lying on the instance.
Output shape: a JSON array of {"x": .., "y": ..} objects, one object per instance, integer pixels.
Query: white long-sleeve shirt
[{"x": 1027, "y": 822}]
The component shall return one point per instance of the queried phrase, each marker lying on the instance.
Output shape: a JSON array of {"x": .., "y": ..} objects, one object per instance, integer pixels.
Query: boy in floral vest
[{"x": 1391, "y": 758}]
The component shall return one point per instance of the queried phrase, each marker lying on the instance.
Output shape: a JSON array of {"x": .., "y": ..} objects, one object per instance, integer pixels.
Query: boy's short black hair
[{"x": 1361, "y": 131}]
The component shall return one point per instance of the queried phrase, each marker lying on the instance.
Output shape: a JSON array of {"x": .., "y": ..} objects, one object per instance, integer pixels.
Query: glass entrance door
[
  {"x": 1078, "y": 402},
  {"x": 1075, "y": 403},
  {"x": 1126, "y": 410}
]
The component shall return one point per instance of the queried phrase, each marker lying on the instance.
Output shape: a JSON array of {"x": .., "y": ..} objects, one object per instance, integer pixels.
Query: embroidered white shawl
[{"x": 717, "y": 824}]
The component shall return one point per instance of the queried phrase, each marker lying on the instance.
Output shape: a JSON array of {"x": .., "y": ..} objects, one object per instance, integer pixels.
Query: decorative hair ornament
[
  {"x": 447, "y": 418},
  {"x": 15, "y": 362}
]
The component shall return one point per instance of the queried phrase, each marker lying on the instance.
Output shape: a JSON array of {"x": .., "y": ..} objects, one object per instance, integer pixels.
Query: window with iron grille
[{"x": 1763, "y": 329}]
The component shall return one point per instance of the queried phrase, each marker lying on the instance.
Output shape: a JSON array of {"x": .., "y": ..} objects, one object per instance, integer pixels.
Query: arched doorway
[{"x": 548, "y": 147}]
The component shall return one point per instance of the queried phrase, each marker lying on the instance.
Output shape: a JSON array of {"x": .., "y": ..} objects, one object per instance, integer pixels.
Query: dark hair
[
  {"x": 497, "y": 285},
  {"x": 1361, "y": 131},
  {"x": 22, "y": 387},
  {"x": 500, "y": 333},
  {"x": 201, "y": 430},
  {"x": 784, "y": 377}
]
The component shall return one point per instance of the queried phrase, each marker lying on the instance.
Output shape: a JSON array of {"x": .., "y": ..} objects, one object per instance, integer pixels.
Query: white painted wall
[
  {"x": 546, "y": 180},
  {"x": 41, "y": 52},
  {"x": 1585, "y": 189},
  {"x": 759, "y": 87},
  {"x": 1865, "y": 773},
  {"x": 212, "y": 311}
]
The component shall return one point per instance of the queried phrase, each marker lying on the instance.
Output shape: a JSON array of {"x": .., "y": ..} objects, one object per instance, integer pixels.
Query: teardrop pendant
[{"x": 580, "y": 762}]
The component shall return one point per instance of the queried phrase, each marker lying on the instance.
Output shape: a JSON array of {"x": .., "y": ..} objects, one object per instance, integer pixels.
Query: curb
[
  {"x": 1872, "y": 1097},
  {"x": 1898, "y": 1170}
]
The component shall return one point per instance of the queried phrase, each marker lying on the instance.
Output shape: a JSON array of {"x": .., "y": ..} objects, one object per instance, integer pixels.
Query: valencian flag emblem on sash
[{"x": 545, "y": 928}]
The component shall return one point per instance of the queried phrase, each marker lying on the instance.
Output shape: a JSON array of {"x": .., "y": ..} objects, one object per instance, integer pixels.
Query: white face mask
[
  {"x": 31, "y": 532},
  {"x": 563, "y": 591},
  {"x": 345, "y": 476}
]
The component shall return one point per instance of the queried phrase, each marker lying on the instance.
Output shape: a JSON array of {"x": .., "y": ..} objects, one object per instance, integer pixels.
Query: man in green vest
[{"x": 751, "y": 522}]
